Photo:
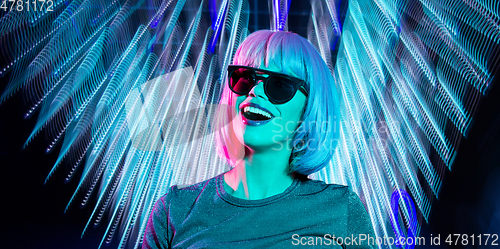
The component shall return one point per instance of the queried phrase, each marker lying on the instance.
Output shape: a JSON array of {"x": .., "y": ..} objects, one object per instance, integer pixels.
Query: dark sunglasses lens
[
  {"x": 242, "y": 80},
  {"x": 280, "y": 89}
]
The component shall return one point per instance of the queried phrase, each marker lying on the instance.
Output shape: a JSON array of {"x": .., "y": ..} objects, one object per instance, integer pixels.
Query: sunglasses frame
[{"x": 298, "y": 84}]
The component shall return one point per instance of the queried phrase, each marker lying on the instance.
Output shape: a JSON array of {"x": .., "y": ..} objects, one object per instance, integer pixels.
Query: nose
[{"x": 258, "y": 90}]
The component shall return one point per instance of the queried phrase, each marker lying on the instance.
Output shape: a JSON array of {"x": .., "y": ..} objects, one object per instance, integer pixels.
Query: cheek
[
  {"x": 285, "y": 125},
  {"x": 292, "y": 117},
  {"x": 236, "y": 101},
  {"x": 291, "y": 114},
  {"x": 237, "y": 130}
]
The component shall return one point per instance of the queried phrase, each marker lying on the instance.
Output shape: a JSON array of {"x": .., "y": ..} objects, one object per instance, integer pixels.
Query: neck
[{"x": 260, "y": 174}]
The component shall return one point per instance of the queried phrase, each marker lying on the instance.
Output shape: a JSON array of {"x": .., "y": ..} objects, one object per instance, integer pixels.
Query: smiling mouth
[{"x": 256, "y": 114}]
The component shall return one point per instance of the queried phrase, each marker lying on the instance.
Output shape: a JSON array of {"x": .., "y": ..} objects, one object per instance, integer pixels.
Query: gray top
[{"x": 307, "y": 213}]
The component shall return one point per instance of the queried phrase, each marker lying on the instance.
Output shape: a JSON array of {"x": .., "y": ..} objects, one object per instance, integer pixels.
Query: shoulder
[
  {"x": 340, "y": 196},
  {"x": 189, "y": 192},
  {"x": 310, "y": 187}
]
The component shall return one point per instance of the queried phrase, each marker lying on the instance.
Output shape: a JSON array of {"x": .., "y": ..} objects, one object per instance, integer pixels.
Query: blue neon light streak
[
  {"x": 409, "y": 211},
  {"x": 216, "y": 25},
  {"x": 130, "y": 90}
]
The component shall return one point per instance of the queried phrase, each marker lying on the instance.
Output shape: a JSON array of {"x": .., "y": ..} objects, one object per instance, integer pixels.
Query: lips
[{"x": 254, "y": 114}]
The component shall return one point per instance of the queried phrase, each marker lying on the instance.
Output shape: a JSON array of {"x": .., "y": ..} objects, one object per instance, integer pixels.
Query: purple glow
[
  {"x": 280, "y": 14},
  {"x": 212, "y": 7},
  {"x": 220, "y": 17},
  {"x": 396, "y": 195},
  {"x": 277, "y": 15}
]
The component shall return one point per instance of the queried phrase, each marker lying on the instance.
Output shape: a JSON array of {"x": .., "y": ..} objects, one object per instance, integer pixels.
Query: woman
[{"x": 281, "y": 129}]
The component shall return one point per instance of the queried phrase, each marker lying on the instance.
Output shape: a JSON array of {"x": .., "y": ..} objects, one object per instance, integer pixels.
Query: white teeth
[{"x": 257, "y": 111}]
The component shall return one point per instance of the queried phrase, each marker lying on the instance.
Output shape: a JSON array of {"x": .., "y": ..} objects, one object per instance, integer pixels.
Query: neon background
[{"x": 120, "y": 95}]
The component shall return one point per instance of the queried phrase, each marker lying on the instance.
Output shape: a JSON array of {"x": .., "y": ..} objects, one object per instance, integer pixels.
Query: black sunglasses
[{"x": 279, "y": 88}]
